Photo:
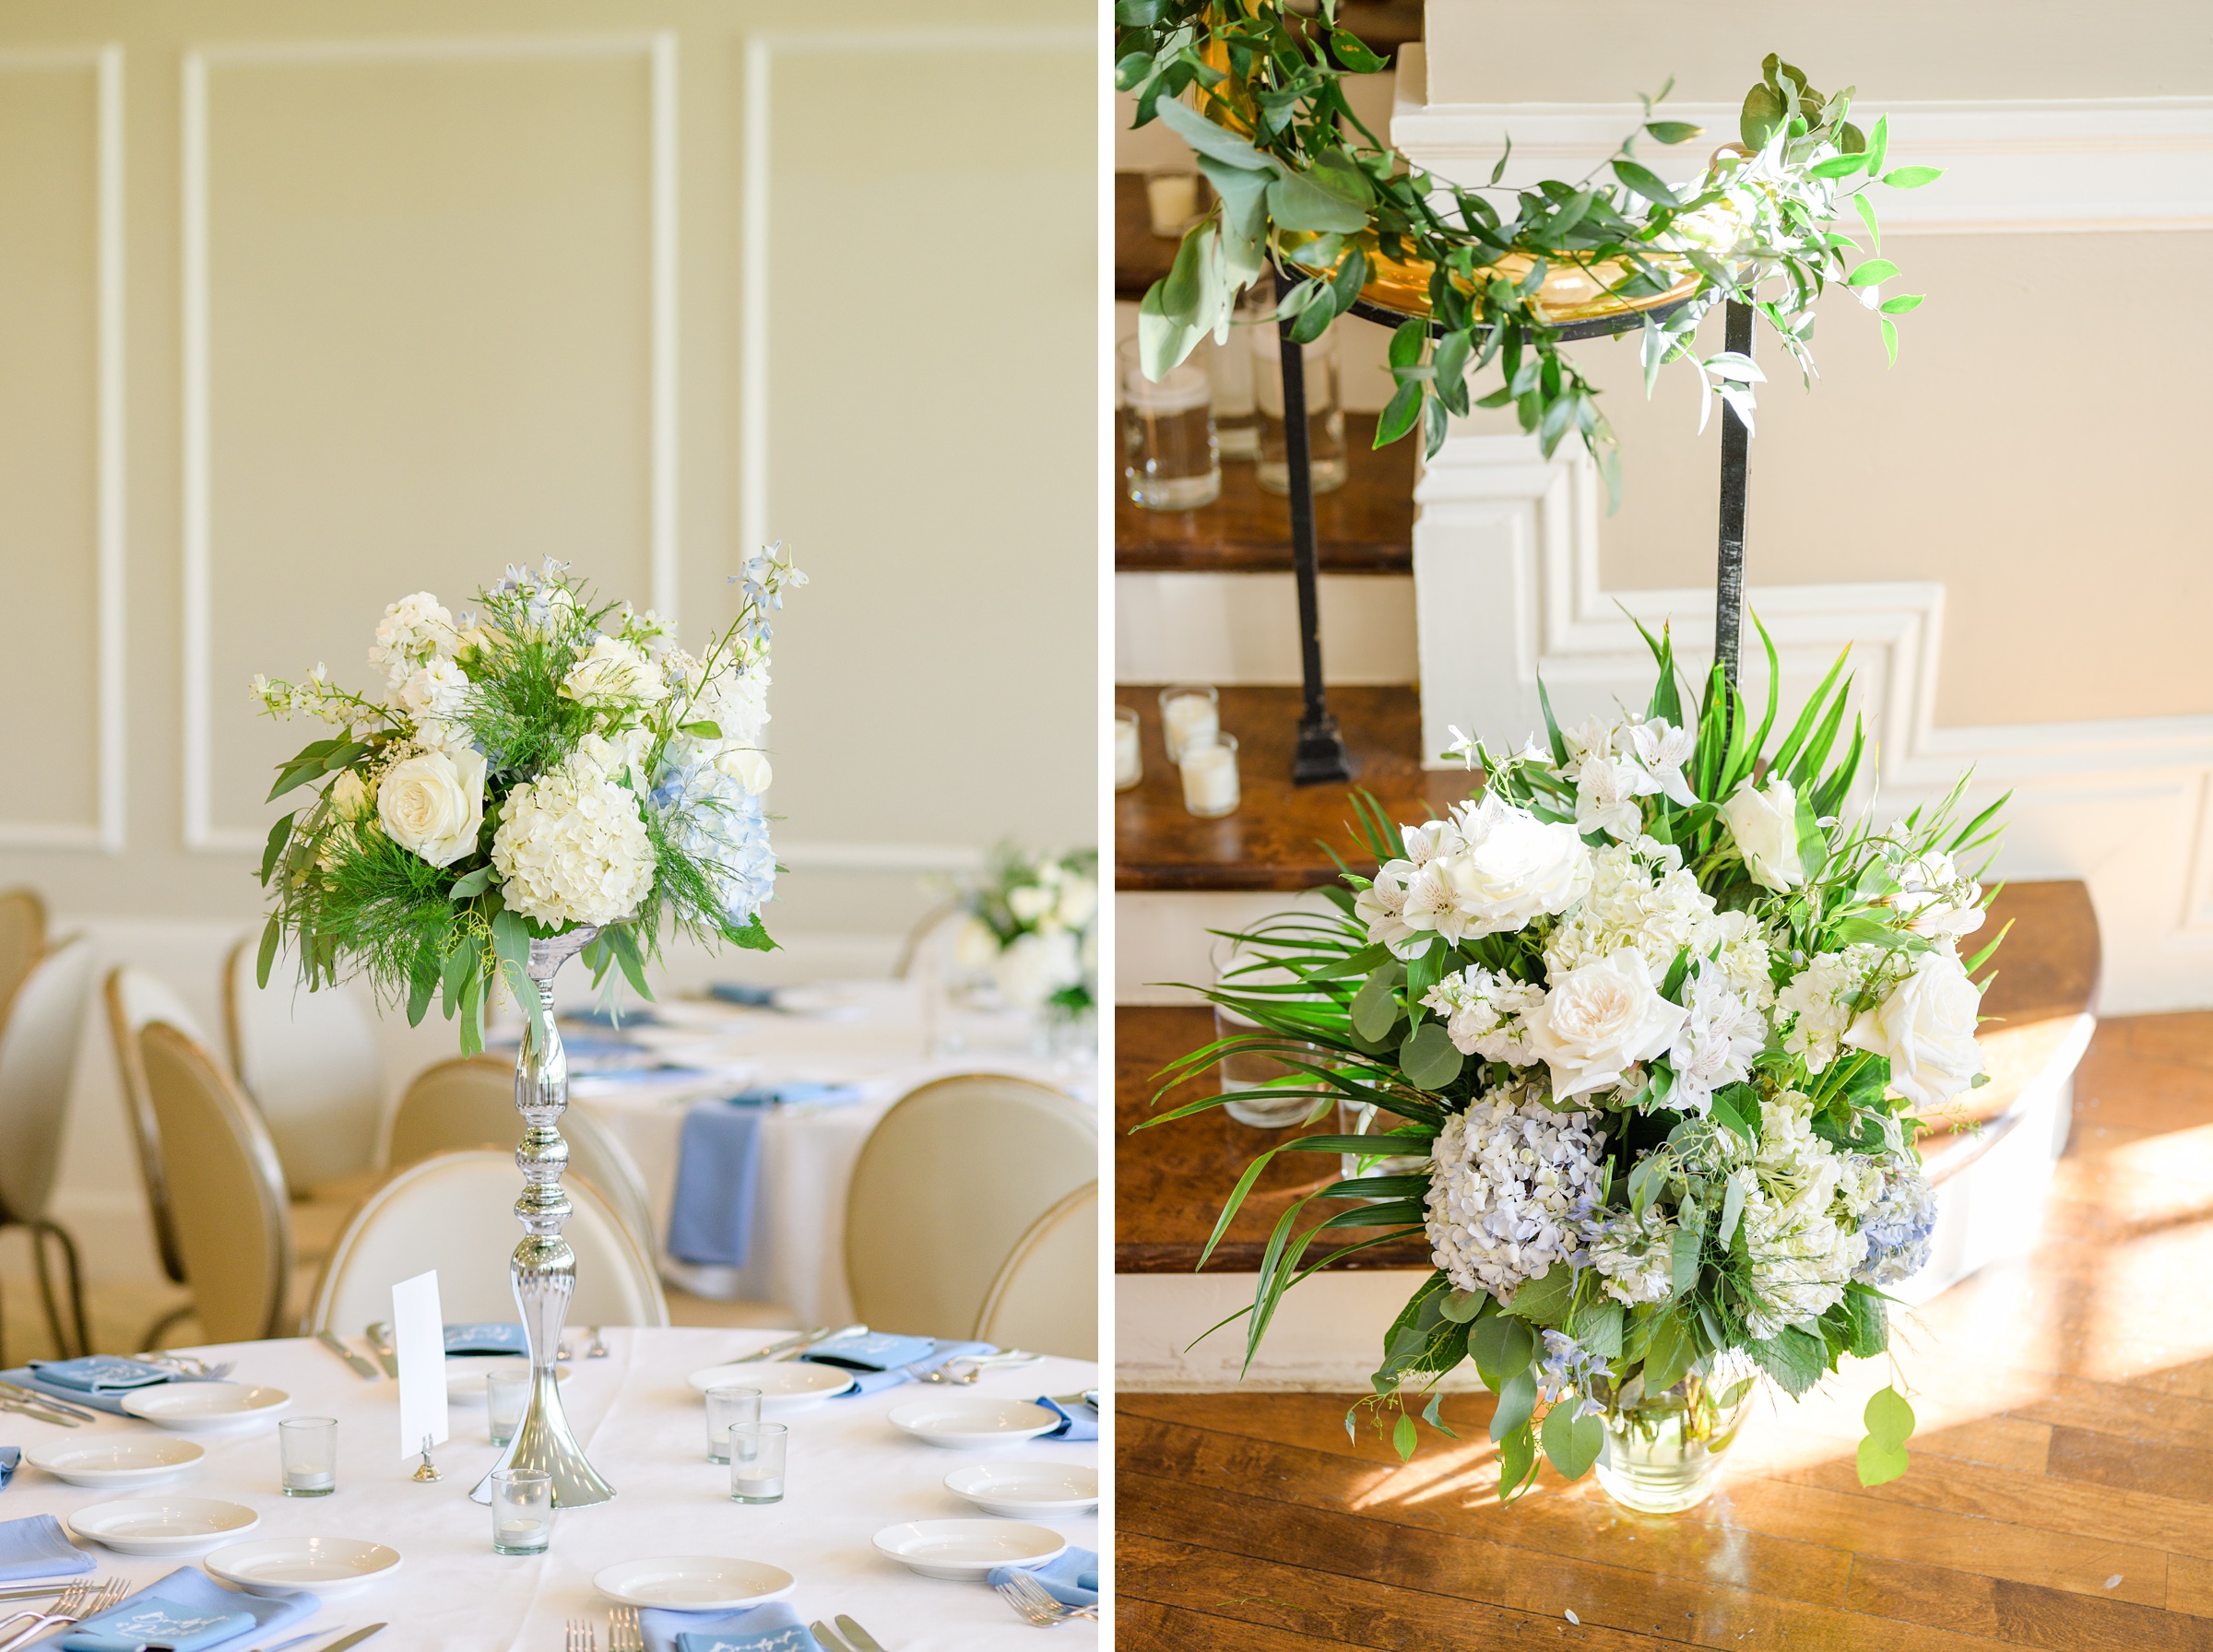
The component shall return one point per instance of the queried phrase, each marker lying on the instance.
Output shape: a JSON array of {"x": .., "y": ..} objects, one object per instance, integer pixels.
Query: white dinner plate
[
  {"x": 964, "y": 1550},
  {"x": 160, "y": 1525},
  {"x": 964, "y": 1422},
  {"x": 1038, "y": 1490},
  {"x": 283, "y": 1566},
  {"x": 694, "y": 1583},
  {"x": 206, "y": 1408},
  {"x": 114, "y": 1464},
  {"x": 786, "y": 1385},
  {"x": 464, "y": 1373}
]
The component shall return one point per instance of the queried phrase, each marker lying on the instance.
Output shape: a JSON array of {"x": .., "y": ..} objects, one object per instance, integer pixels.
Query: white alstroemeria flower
[
  {"x": 1462, "y": 745},
  {"x": 1605, "y": 797},
  {"x": 1935, "y": 898},
  {"x": 437, "y": 691},
  {"x": 1593, "y": 738},
  {"x": 1600, "y": 1020},
  {"x": 1382, "y": 907},
  {"x": 1430, "y": 907},
  {"x": 1661, "y": 749},
  {"x": 1434, "y": 840},
  {"x": 1764, "y": 822},
  {"x": 1720, "y": 1037}
]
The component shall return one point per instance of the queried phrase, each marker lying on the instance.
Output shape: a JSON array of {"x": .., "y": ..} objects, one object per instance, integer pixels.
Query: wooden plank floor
[{"x": 2061, "y": 1495}]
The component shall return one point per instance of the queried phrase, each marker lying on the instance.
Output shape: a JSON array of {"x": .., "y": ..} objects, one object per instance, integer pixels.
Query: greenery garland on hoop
[{"x": 1302, "y": 180}]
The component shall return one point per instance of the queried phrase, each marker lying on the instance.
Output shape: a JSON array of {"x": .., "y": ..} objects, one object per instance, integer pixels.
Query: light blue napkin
[
  {"x": 794, "y": 1092},
  {"x": 36, "y": 1546},
  {"x": 100, "y": 1373},
  {"x": 771, "y": 1628},
  {"x": 717, "y": 1181},
  {"x": 876, "y": 1382},
  {"x": 492, "y": 1337},
  {"x": 1071, "y": 1578},
  {"x": 871, "y": 1351},
  {"x": 187, "y": 1592},
  {"x": 743, "y": 995},
  {"x": 612, "y": 1019},
  {"x": 1083, "y": 1423},
  {"x": 25, "y": 1377},
  {"x": 10, "y": 1456}
]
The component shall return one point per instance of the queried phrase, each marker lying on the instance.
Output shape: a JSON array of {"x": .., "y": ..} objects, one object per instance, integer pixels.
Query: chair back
[
  {"x": 37, "y": 1055},
  {"x": 311, "y": 1063},
  {"x": 22, "y": 939},
  {"x": 135, "y": 998},
  {"x": 951, "y": 1178},
  {"x": 226, "y": 1189},
  {"x": 470, "y": 1102},
  {"x": 455, "y": 1212},
  {"x": 1046, "y": 1296}
]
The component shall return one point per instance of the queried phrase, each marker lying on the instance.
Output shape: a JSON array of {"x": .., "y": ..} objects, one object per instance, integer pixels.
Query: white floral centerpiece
[
  {"x": 1030, "y": 926},
  {"x": 541, "y": 766},
  {"x": 1662, "y": 1017}
]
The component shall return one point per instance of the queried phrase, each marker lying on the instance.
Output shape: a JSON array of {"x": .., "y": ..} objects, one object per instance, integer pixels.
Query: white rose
[
  {"x": 350, "y": 795},
  {"x": 1764, "y": 821},
  {"x": 1926, "y": 1025},
  {"x": 1079, "y": 903},
  {"x": 1029, "y": 902},
  {"x": 749, "y": 768},
  {"x": 434, "y": 804},
  {"x": 1598, "y": 1022},
  {"x": 1514, "y": 868},
  {"x": 976, "y": 945}
]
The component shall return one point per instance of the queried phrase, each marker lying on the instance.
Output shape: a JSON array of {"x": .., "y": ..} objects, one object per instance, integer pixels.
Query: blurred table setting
[{"x": 899, "y": 1504}]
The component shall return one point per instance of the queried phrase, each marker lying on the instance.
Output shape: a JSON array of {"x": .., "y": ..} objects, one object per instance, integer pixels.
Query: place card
[{"x": 419, "y": 1338}]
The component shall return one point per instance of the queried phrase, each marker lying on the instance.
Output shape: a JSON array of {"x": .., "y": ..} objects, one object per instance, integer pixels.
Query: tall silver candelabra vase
[{"x": 544, "y": 1266}]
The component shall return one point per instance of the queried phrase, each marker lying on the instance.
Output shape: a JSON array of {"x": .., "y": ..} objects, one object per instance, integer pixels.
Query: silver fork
[
  {"x": 622, "y": 1631},
  {"x": 1032, "y": 1605},
  {"x": 581, "y": 1636},
  {"x": 78, "y": 1603}
]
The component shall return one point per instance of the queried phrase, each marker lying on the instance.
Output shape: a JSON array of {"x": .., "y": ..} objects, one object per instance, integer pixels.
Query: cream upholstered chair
[
  {"x": 22, "y": 939},
  {"x": 1046, "y": 1296},
  {"x": 948, "y": 1181},
  {"x": 311, "y": 1063},
  {"x": 38, "y": 1056},
  {"x": 226, "y": 1189},
  {"x": 470, "y": 1102},
  {"x": 135, "y": 999},
  {"x": 455, "y": 1212}
]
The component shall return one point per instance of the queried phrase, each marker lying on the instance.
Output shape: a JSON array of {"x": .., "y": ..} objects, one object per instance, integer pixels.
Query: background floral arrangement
[
  {"x": 539, "y": 765},
  {"x": 1032, "y": 927},
  {"x": 1656, "y": 1023},
  {"x": 1301, "y": 182}
]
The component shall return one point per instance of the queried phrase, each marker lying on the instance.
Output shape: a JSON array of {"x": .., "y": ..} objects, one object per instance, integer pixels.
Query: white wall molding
[
  {"x": 2010, "y": 166},
  {"x": 658, "y": 51},
  {"x": 1243, "y": 628},
  {"x": 106, "y": 830}
]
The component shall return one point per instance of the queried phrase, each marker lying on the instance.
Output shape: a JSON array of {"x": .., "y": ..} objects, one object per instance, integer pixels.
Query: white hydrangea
[
  {"x": 1511, "y": 1180},
  {"x": 413, "y": 631},
  {"x": 1717, "y": 1044},
  {"x": 1899, "y": 1227},
  {"x": 1819, "y": 1000},
  {"x": 1483, "y": 1013},
  {"x": 572, "y": 845},
  {"x": 1641, "y": 897},
  {"x": 1740, "y": 946},
  {"x": 1803, "y": 1201},
  {"x": 1035, "y": 966},
  {"x": 1635, "y": 1256}
]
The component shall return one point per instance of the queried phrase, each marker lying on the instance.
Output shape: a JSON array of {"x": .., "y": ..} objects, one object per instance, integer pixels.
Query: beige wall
[{"x": 479, "y": 281}]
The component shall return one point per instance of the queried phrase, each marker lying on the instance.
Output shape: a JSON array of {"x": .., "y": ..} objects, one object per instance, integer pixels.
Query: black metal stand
[
  {"x": 1321, "y": 756},
  {"x": 1729, "y": 585}
]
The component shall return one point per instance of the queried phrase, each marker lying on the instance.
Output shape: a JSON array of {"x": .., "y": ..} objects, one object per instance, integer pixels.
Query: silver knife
[
  {"x": 821, "y": 1630},
  {"x": 15, "y": 1408},
  {"x": 31, "y": 1397},
  {"x": 380, "y": 1344},
  {"x": 298, "y": 1640},
  {"x": 776, "y": 1347},
  {"x": 361, "y": 1367},
  {"x": 355, "y": 1639},
  {"x": 862, "y": 1640}
]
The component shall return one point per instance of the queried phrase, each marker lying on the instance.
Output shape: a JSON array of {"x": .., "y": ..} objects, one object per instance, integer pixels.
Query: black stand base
[{"x": 1321, "y": 756}]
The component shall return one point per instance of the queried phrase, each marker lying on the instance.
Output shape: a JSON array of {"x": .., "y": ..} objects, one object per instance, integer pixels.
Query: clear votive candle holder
[
  {"x": 1190, "y": 714},
  {"x": 522, "y": 1511},
  {"x": 308, "y": 1449},
  {"x": 1169, "y": 460},
  {"x": 506, "y": 1397},
  {"x": 1210, "y": 778},
  {"x": 727, "y": 1407},
  {"x": 757, "y": 1461},
  {"x": 1128, "y": 755}
]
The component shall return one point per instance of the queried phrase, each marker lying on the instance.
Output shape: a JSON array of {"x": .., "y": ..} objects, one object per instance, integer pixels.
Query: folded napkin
[
  {"x": 718, "y": 1179},
  {"x": 771, "y": 1628},
  {"x": 23, "y": 1376},
  {"x": 486, "y": 1339},
  {"x": 188, "y": 1611},
  {"x": 867, "y": 1381},
  {"x": 100, "y": 1373},
  {"x": 743, "y": 995},
  {"x": 871, "y": 1351},
  {"x": 640, "y": 1017},
  {"x": 794, "y": 1092},
  {"x": 1071, "y": 1578},
  {"x": 1080, "y": 1423},
  {"x": 10, "y": 1456},
  {"x": 36, "y": 1546}
]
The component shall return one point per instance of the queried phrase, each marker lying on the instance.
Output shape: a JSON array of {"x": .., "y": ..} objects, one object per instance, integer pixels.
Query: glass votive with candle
[
  {"x": 506, "y": 1397},
  {"x": 522, "y": 1511},
  {"x": 1237, "y": 413},
  {"x": 1325, "y": 413},
  {"x": 1210, "y": 778},
  {"x": 727, "y": 1405},
  {"x": 1190, "y": 714},
  {"x": 1128, "y": 755},
  {"x": 757, "y": 1451},
  {"x": 1174, "y": 200},
  {"x": 307, "y": 1450},
  {"x": 1169, "y": 462}
]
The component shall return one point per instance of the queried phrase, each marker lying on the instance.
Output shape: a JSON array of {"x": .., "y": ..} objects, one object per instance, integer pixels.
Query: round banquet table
[
  {"x": 871, "y": 1034},
  {"x": 851, "y": 1474}
]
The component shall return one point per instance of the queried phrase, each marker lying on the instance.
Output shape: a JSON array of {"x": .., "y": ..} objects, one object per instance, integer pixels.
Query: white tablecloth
[
  {"x": 870, "y": 1033},
  {"x": 851, "y": 1474}
]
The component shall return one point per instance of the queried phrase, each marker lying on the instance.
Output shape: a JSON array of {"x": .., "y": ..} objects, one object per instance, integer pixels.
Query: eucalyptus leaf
[
  {"x": 1297, "y": 201},
  {"x": 1428, "y": 1058}
]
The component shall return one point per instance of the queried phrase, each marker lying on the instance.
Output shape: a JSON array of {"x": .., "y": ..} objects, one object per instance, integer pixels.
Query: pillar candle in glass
[
  {"x": 1168, "y": 457},
  {"x": 1128, "y": 755},
  {"x": 522, "y": 1511},
  {"x": 1210, "y": 778},
  {"x": 1190, "y": 714},
  {"x": 757, "y": 1461},
  {"x": 307, "y": 1449},
  {"x": 727, "y": 1407},
  {"x": 1325, "y": 417},
  {"x": 1173, "y": 197}
]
